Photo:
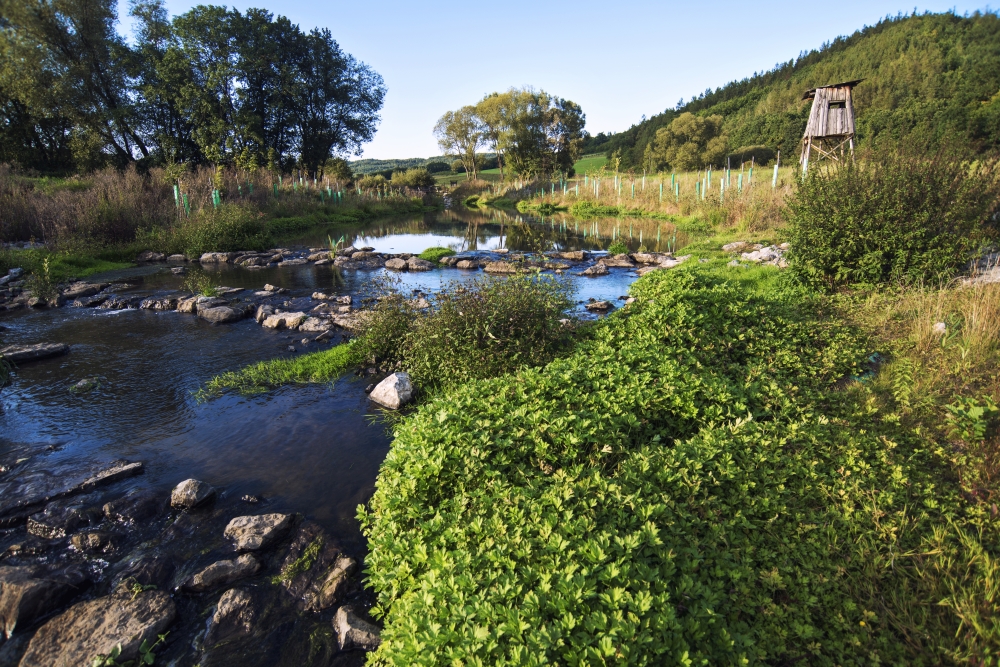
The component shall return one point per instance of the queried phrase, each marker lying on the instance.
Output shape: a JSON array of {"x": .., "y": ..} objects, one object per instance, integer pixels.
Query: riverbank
[{"x": 726, "y": 458}]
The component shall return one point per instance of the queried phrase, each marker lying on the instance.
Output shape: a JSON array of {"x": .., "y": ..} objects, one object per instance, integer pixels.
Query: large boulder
[
  {"x": 284, "y": 320},
  {"x": 396, "y": 264},
  {"x": 190, "y": 494},
  {"x": 595, "y": 271},
  {"x": 315, "y": 325},
  {"x": 500, "y": 267},
  {"x": 574, "y": 255},
  {"x": 354, "y": 632},
  {"x": 79, "y": 290},
  {"x": 252, "y": 533},
  {"x": 216, "y": 257},
  {"x": 314, "y": 572},
  {"x": 393, "y": 392},
  {"x": 622, "y": 261},
  {"x": 151, "y": 256},
  {"x": 135, "y": 506},
  {"x": 164, "y": 303},
  {"x": 19, "y": 354},
  {"x": 467, "y": 264},
  {"x": 28, "y": 593},
  {"x": 221, "y": 314},
  {"x": 89, "y": 629},
  {"x": 222, "y": 573},
  {"x": 417, "y": 264}
]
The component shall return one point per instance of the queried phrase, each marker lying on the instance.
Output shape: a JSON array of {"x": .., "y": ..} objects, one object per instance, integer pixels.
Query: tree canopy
[
  {"x": 212, "y": 85},
  {"x": 531, "y": 132}
]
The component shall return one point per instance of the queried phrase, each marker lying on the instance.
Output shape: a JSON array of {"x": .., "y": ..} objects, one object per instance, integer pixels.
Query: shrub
[
  {"x": 892, "y": 216},
  {"x": 458, "y": 167},
  {"x": 617, "y": 248},
  {"x": 761, "y": 155},
  {"x": 413, "y": 178},
  {"x": 228, "y": 228},
  {"x": 483, "y": 328},
  {"x": 437, "y": 167},
  {"x": 686, "y": 487},
  {"x": 370, "y": 181},
  {"x": 435, "y": 254}
]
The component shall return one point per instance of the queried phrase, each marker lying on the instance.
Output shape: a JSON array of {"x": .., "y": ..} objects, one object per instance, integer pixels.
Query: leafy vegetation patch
[
  {"x": 688, "y": 486},
  {"x": 892, "y": 215},
  {"x": 435, "y": 254}
]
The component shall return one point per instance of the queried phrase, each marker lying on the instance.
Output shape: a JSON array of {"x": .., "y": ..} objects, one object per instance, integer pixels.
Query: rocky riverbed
[{"x": 94, "y": 559}]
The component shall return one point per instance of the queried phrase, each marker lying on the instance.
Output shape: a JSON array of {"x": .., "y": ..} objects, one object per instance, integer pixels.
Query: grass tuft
[
  {"x": 316, "y": 367},
  {"x": 435, "y": 254}
]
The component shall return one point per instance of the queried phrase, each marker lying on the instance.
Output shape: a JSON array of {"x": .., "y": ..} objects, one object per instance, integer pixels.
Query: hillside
[{"x": 927, "y": 77}]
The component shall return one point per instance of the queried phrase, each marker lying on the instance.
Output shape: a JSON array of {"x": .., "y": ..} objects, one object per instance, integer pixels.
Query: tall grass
[
  {"x": 755, "y": 207},
  {"x": 223, "y": 208}
]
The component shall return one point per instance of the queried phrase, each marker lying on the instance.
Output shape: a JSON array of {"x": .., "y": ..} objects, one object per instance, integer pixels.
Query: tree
[
  {"x": 688, "y": 142},
  {"x": 459, "y": 135},
  {"x": 64, "y": 60},
  {"x": 493, "y": 111},
  {"x": 337, "y": 103}
]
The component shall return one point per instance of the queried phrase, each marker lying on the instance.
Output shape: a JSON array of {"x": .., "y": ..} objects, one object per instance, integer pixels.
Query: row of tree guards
[{"x": 702, "y": 185}]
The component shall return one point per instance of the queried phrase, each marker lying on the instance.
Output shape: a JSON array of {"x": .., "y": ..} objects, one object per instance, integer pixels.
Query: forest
[
  {"x": 211, "y": 86},
  {"x": 929, "y": 79}
]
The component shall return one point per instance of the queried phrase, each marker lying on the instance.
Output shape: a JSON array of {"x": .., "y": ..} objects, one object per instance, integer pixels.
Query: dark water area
[{"x": 308, "y": 449}]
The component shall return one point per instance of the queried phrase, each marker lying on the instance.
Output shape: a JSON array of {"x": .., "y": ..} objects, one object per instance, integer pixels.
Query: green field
[{"x": 589, "y": 163}]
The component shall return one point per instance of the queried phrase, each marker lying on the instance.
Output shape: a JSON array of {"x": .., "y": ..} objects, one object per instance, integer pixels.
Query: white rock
[
  {"x": 250, "y": 533},
  {"x": 393, "y": 392},
  {"x": 191, "y": 493}
]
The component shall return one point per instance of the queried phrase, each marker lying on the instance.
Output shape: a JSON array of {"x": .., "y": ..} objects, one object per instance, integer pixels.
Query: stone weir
[{"x": 95, "y": 563}]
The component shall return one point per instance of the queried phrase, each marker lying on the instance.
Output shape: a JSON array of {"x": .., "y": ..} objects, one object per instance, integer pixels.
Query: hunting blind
[{"x": 831, "y": 122}]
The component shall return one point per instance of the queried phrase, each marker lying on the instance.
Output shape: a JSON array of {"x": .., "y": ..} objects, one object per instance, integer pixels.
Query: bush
[
  {"x": 435, "y": 254},
  {"x": 687, "y": 487},
  {"x": 413, "y": 178},
  {"x": 480, "y": 329},
  {"x": 892, "y": 216},
  {"x": 458, "y": 167},
  {"x": 437, "y": 167},
  {"x": 761, "y": 155},
  {"x": 617, "y": 248},
  {"x": 372, "y": 181},
  {"x": 228, "y": 228}
]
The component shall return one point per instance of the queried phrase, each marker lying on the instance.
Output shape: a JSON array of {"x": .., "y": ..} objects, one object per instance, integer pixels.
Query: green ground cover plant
[{"x": 698, "y": 482}]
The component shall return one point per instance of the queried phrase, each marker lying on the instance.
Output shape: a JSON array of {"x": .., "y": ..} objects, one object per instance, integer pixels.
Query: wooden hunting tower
[{"x": 831, "y": 122}]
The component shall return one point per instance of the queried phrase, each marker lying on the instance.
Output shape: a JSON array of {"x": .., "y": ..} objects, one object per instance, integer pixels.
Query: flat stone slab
[
  {"x": 35, "y": 487},
  {"x": 19, "y": 354},
  {"x": 93, "y": 628},
  {"x": 251, "y": 533}
]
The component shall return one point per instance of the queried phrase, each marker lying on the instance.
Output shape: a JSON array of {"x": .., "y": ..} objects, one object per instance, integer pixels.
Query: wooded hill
[{"x": 927, "y": 78}]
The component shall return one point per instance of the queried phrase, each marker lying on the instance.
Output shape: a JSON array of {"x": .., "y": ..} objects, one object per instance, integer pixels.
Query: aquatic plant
[{"x": 323, "y": 366}]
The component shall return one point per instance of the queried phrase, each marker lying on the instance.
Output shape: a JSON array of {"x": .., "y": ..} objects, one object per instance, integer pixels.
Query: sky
[{"x": 618, "y": 60}]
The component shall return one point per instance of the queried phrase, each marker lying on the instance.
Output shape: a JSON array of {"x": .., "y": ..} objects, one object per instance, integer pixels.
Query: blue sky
[{"x": 618, "y": 60}]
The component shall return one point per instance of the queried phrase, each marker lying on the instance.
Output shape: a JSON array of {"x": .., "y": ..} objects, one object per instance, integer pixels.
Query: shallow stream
[{"x": 312, "y": 449}]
